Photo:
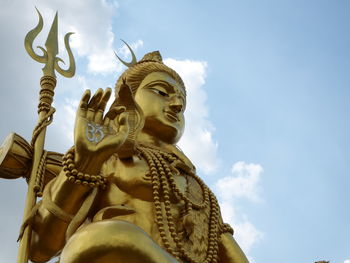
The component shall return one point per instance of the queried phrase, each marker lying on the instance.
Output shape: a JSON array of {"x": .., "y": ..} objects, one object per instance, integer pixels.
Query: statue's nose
[{"x": 176, "y": 104}]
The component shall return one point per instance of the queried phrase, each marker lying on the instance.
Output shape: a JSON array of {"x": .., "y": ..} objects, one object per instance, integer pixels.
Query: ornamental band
[{"x": 126, "y": 192}]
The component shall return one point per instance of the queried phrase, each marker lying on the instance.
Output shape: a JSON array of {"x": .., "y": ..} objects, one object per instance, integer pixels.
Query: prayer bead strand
[{"x": 161, "y": 172}]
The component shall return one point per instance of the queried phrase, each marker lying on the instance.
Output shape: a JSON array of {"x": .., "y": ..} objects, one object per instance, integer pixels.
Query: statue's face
[{"x": 163, "y": 101}]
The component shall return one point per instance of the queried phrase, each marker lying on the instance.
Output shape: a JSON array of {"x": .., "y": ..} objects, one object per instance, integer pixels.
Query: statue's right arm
[
  {"x": 48, "y": 235},
  {"x": 49, "y": 230},
  {"x": 229, "y": 250}
]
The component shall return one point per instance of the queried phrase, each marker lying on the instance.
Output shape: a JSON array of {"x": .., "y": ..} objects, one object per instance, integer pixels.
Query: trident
[{"x": 45, "y": 112}]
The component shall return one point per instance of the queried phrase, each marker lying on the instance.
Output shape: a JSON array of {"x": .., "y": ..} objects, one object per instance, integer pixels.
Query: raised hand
[{"x": 97, "y": 135}]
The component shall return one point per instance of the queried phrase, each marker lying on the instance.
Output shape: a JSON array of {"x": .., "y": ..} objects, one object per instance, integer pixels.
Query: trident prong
[{"x": 49, "y": 55}]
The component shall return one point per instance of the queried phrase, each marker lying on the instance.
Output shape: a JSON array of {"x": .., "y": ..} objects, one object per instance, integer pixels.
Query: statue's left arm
[{"x": 229, "y": 250}]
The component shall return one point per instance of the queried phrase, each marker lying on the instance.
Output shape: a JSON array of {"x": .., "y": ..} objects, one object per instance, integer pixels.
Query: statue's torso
[{"x": 130, "y": 195}]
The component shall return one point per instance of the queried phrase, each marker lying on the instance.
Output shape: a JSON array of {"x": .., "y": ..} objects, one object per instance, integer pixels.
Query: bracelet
[{"x": 78, "y": 177}]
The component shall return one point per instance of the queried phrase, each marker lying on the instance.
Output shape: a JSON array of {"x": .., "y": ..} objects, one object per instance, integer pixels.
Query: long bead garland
[{"x": 161, "y": 174}]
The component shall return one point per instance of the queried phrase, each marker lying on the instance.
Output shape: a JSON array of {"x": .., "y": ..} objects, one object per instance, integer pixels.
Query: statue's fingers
[
  {"x": 110, "y": 118},
  {"x": 84, "y": 103},
  {"x": 85, "y": 99},
  {"x": 90, "y": 114},
  {"x": 102, "y": 105},
  {"x": 114, "y": 112},
  {"x": 119, "y": 127},
  {"x": 113, "y": 126},
  {"x": 104, "y": 99},
  {"x": 93, "y": 104},
  {"x": 98, "y": 118},
  {"x": 106, "y": 121}
]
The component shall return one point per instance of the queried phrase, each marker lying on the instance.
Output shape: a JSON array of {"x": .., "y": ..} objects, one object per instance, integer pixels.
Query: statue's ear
[{"x": 124, "y": 97}]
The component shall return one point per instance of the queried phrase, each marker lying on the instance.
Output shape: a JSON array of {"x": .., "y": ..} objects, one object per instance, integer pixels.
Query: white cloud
[
  {"x": 91, "y": 21},
  {"x": 105, "y": 61},
  {"x": 244, "y": 183},
  {"x": 247, "y": 235},
  {"x": 347, "y": 261},
  {"x": 82, "y": 82},
  {"x": 64, "y": 121},
  {"x": 197, "y": 141}
]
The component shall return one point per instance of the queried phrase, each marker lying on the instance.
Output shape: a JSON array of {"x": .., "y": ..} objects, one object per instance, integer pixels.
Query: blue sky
[{"x": 269, "y": 90}]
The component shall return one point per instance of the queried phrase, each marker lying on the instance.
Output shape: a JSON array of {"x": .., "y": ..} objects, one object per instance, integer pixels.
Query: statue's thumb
[{"x": 123, "y": 123}]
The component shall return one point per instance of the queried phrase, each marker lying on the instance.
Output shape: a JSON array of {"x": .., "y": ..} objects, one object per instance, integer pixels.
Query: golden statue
[{"x": 124, "y": 192}]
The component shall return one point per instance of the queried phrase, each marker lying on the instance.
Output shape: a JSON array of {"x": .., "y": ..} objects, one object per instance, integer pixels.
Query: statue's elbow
[
  {"x": 41, "y": 251},
  {"x": 39, "y": 255}
]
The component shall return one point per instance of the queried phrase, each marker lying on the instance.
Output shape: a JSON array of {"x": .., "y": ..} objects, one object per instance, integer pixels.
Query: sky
[{"x": 267, "y": 118}]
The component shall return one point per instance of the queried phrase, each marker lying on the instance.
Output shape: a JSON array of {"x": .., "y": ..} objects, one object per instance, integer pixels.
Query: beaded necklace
[{"x": 161, "y": 165}]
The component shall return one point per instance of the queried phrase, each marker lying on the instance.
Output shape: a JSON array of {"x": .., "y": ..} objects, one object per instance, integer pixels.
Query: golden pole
[
  {"x": 45, "y": 111},
  {"x": 47, "y": 84}
]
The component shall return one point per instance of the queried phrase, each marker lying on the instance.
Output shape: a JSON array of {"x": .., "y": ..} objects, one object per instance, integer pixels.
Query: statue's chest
[{"x": 133, "y": 177}]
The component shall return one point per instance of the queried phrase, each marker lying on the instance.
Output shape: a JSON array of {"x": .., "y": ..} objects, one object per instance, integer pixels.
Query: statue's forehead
[
  {"x": 174, "y": 83},
  {"x": 171, "y": 81},
  {"x": 163, "y": 76}
]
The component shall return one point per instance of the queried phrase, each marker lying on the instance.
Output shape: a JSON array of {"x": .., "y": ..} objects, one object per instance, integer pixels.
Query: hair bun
[{"x": 154, "y": 56}]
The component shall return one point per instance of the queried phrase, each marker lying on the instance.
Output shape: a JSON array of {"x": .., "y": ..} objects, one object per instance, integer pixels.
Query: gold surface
[
  {"x": 152, "y": 208},
  {"x": 16, "y": 156},
  {"x": 123, "y": 223}
]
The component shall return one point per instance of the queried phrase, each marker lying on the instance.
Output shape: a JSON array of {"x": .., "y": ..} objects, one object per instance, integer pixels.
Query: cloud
[
  {"x": 347, "y": 261},
  {"x": 104, "y": 61},
  {"x": 124, "y": 50},
  {"x": 197, "y": 141},
  {"x": 243, "y": 184},
  {"x": 91, "y": 21},
  {"x": 64, "y": 122},
  {"x": 247, "y": 235},
  {"x": 125, "y": 54},
  {"x": 82, "y": 82}
]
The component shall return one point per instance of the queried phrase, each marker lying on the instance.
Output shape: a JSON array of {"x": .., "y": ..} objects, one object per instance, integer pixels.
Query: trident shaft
[{"x": 45, "y": 111}]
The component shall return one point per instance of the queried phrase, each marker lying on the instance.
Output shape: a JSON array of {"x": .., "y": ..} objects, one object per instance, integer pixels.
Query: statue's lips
[{"x": 172, "y": 116}]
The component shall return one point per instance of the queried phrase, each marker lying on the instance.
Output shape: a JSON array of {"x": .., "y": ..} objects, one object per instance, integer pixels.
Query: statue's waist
[{"x": 114, "y": 211}]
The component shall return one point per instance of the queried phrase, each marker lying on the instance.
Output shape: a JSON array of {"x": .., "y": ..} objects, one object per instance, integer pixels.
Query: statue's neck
[{"x": 146, "y": 138}]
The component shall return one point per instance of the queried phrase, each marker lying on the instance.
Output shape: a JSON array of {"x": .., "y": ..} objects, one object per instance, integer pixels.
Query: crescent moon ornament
[{"x": 133, "y": 60}]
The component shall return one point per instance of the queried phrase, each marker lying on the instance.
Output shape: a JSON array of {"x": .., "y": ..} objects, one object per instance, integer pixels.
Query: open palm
[{"x": 97, "y": 135}]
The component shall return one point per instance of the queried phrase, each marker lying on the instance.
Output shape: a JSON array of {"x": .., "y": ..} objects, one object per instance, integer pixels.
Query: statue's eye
[{"x": 161, "y": 93}]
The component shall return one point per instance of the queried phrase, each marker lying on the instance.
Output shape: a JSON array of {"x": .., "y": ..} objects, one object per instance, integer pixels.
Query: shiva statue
[{"x": 126, "y": 192}]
